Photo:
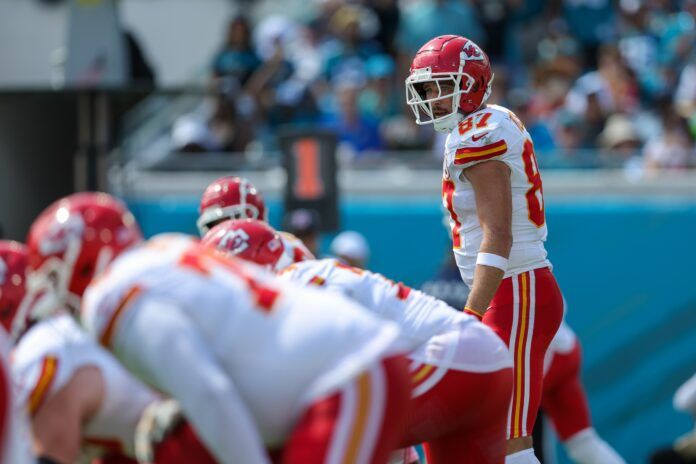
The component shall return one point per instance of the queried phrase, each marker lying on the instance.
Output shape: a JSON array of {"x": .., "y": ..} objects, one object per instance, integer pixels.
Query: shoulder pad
[{"x": 484, "y": 135}]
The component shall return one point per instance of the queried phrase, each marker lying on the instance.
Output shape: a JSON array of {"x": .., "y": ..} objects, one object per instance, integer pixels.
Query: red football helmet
[
  {"x": 229, "y": 197},
  {"x": 453, "y": 60},
  {"x": 248, "y": 239},
  {"x": 13, "y": 272},
  {"x": 71, "y": 242}
]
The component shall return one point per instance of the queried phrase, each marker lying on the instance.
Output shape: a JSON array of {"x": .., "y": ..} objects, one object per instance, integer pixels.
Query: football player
[
  {"x": 492, "y": 189},
  {"x": 255, "y": 363},
  {"x": 81, "y": 401},
  {"x": 461, "y": 371},
  {"x": 229, "y": 197},
  {"x": 233, "y": 197}
]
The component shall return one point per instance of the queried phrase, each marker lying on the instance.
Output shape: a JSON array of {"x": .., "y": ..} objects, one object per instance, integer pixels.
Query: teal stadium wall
[{"x": 626, "y": 269}]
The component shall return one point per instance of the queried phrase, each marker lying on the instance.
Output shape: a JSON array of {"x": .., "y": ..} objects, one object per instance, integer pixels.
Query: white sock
[
  {"x": 522, "y": 457},
  {"x": 586, "y": 447}
]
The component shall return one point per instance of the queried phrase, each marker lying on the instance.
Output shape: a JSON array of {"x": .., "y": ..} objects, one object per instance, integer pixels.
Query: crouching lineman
[
  {"x": 232, "y": 197},
  {"x": 254, "y": 362},
  {"x": 461, "y": 371},
  {"x": 81, "y": 401}
]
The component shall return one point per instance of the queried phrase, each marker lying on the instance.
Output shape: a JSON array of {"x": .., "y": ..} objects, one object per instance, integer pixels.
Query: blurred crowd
[{"x": 597, "y": 82}]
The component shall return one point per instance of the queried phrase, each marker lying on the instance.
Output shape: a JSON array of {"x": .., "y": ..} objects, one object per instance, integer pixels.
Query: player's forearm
[
  {"x": 487, "y": 277},
  {"x": 486, "y": 282}
]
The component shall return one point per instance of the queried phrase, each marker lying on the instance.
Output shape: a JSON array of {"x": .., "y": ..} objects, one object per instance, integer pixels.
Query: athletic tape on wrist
[{"x": 490, "y": 259}]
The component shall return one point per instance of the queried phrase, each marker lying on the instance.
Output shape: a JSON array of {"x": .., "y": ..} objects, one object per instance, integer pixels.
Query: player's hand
[{"x": 156, "y": 422}]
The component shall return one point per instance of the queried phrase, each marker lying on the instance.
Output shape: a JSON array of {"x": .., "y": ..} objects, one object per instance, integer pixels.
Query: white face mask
[{"x": 423, "y": 107}]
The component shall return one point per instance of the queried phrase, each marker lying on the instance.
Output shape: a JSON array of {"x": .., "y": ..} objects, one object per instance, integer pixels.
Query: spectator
[
  {"x": 548, "y": 93},
  {"x": 389, "y": 16},
  {"x": 611, "y": 87},
  {"x": 358, "y": 133},
  {"x": 426, "y": 19},
  {"x": 352, "y": 248},
  {"x": 353, "y": 27},
  {"x": 237, "y": 58},
  {"x": 678, "y": 34},
  {"x": 307, "y": 56},
  {"x": 215, "y": 126},
  {"x": 282, "y": 96},
  {"x": 570, "y": 134},
  {"x": 640, "y": 48},
  {"x": 305, "y": 224},
  {"x": 619, "y": 139},
  {"x": 538, "y": 127},
  {"x": 672, "y": 149},
  {"x": 685, "y": 95},
  {"x": 380, "y": 99},
  {"x": 559, "y": 52},
  {"x": 592, "y": 22}
]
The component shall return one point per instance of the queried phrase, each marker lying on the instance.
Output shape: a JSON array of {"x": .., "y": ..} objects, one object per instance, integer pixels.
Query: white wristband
[{"x": 489, "y": 259}]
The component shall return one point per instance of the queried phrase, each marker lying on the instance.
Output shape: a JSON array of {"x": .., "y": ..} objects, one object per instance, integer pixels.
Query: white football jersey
[
  {"x": 47, "y": 357},
  {"x": 494, "y": 133},
  {"x": 432, "y": 333},
  {"x": 419, "y": 316},
  {"x": 275, "y": 340}
]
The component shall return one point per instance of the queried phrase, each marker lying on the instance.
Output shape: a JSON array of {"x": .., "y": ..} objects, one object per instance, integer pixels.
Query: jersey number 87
[{"x": 534, "y": 196}]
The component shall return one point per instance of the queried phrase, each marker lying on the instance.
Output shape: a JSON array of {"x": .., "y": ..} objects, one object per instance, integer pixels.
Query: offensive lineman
[
  {"x": 255, "y": 363},
  {"x": 492, "y": 190},
  {"x": 232, "y": 197},
  {"x": 461, "y": 371},
  {"x": 81, "y": 401}
]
